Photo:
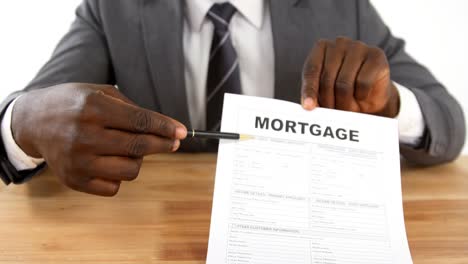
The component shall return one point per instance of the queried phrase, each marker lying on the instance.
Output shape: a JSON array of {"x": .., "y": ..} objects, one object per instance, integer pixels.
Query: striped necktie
[{"x": 223, "y": 69}]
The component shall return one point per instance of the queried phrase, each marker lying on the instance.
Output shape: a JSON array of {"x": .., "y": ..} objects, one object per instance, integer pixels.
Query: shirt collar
[{"x": 196, "y": 10}]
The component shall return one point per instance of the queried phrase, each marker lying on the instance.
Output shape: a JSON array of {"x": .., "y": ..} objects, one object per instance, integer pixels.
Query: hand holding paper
[{"x": 349, "y": 75}]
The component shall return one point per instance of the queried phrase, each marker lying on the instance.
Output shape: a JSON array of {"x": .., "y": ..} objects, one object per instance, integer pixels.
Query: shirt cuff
[
  {"x": 20, "y": 160},
  {"x": 411, "y": 123}
]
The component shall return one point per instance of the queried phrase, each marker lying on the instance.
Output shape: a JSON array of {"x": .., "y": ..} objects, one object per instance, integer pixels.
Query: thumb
[{"x": 311, "y": 76}]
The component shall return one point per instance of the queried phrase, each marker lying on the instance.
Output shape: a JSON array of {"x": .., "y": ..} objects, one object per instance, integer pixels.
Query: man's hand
[
  {"x": 91, "y": 136},
  {"x": 349, "y": 75}
]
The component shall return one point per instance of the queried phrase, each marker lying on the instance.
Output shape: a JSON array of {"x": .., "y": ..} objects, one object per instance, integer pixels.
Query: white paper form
[{"x": 311, "y": 187}]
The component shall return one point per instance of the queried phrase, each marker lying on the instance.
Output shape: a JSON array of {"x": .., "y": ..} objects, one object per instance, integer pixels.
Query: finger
[
  {"x": 311, "y": 75},
  {"x": 374, "y": 68},
  {"x": 135, "y": 119},
  {"x": 94, "y": 186},
  {"x": 115, "y": 168},
  {"x": 120, "y": 143},
  {"x": 346, "y": 79},
  {"x": 101, "y": 187},
  {"x": 333, "y": 59}
]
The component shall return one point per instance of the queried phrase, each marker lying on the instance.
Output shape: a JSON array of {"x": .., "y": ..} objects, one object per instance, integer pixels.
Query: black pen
[{"x": 217, "y": 135}]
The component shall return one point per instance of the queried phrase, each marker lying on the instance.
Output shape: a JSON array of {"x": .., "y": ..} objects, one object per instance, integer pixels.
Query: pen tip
[{"x": 246, "y": 137}]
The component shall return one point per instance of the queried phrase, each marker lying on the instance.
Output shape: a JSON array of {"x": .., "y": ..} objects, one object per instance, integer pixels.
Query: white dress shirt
[{"x": 252, "y": 37}]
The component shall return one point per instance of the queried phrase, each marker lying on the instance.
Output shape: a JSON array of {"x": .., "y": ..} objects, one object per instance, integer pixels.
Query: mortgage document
[{"x": 319, "y": 187}]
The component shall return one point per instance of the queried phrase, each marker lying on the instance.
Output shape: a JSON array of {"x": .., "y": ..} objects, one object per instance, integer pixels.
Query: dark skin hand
[
  {"x": 351, "y": 76},
  {"x": 91, "y": 136}
]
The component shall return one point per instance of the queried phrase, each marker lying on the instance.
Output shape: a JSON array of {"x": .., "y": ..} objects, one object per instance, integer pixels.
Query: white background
[{"x": 436, "y": 32}]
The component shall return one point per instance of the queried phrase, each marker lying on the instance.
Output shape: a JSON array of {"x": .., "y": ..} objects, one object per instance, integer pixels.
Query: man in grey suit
[{"x": 173, "y": 60}]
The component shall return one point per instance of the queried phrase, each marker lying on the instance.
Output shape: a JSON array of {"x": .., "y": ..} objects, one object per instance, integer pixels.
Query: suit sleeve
[
  {"x": 444, "y": 135},
  {"x": 81, "y": 56}
]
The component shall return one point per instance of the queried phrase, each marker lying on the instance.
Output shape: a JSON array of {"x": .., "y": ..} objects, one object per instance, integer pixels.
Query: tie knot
[{"x": 221, "y": 14}]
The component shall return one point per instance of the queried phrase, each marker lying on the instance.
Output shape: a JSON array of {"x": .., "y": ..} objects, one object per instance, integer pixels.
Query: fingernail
[
  {"x": 181, "y": 132},
  {"x": 308, "y": 103},
  {"x": 176, "y": 145}
]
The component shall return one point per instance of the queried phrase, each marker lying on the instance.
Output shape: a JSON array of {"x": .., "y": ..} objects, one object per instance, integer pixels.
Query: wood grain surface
[{"x": 164, "y": 216}]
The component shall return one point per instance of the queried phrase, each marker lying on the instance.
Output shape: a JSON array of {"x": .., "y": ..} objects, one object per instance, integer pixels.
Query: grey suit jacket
[{"x": 137, "y": 45}]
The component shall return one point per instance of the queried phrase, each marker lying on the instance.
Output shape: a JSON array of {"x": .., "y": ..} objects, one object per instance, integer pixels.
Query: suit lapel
[
  {"x": 295, "y": 30},
  {"x": 162, "y": 25}
]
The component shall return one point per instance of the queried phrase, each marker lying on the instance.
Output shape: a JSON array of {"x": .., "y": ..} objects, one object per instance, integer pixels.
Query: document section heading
[{"x": 295, "y": 127}]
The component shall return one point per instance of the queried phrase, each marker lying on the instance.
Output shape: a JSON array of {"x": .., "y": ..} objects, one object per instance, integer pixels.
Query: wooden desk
[{"x": 164, "y": 216}]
